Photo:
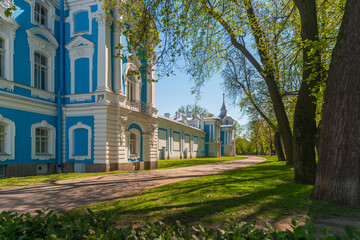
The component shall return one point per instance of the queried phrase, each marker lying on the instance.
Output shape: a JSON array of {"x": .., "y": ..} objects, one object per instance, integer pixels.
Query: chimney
[{"x": 167, "y": 115}]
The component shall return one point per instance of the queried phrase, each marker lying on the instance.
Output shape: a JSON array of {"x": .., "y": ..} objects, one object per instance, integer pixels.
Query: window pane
[
  {"x": 40, "y": 14},
  {"x": 40, "y": 71}
]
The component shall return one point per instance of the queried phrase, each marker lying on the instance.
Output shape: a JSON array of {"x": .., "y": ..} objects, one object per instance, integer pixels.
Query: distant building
[
  {"x": 85, "y": 113},
  {"x": 187, "y": 136}
]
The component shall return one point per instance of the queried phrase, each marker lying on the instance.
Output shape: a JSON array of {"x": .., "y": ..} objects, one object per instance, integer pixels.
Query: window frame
[
  {"x": 50, "y": 143},
  {"x": 133, "y": 85},
  {"x": 48, "y": 50},
  {"x": 8, "y": 28},
  {"x": 39, "y": 67},
  {"x": 72, "y": 155},
  {"x": 39, "y": 15},
  {"x": 137, "y": 154},
  {"x": 9, "y": 139},
  {"x": 50, "y": 14},
  {"x": 72, "y": 22},
  {"x": 40, "y": 139}
]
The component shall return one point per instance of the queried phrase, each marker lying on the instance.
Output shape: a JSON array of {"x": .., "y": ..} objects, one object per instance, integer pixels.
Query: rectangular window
[
  {"x": 40, "y": 71},
  {"x": 2, "y": 139},
  {"x": 40, "y": 14},
  {"x": 132, "y": 144},
  {"x": 41, "y": 141},
  {"x": 2, "y": 58}
]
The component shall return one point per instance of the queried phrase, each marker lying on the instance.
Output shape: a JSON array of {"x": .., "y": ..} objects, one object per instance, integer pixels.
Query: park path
[{"x": 69, "y": 194}]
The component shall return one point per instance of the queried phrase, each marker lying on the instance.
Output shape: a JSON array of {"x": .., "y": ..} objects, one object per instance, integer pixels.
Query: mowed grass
[
  {"x": 263, "y": 191},
  {"x": 177, "y": 163},
  {"x": 163, "y": 164}
]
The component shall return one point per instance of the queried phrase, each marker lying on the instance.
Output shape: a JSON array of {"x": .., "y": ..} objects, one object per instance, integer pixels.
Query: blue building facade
[{"x": 66, "y": 104}]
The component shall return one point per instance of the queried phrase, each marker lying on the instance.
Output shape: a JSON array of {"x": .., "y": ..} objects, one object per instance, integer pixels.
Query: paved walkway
[{"x": 68, "y": 194}]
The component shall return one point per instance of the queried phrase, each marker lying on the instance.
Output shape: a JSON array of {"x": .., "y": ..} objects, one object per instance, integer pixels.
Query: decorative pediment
[
  {"x": 80, "y": 47},
  {"x": 79, "y": 41},
  {"x": 37, "y": 32}
]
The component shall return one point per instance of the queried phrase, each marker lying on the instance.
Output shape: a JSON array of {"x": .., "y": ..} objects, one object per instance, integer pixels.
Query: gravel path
[{"x": 68, "y": 194}]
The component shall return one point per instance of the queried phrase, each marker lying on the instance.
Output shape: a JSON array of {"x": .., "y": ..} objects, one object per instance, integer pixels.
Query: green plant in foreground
[{"x": 51, "y": 225}]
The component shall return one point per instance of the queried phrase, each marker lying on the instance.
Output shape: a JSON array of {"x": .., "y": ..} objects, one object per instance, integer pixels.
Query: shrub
[{"x": 51, "y": 225}]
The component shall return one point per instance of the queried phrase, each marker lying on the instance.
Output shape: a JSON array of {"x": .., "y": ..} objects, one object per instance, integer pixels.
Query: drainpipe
[{"x": 59, "y": 128}]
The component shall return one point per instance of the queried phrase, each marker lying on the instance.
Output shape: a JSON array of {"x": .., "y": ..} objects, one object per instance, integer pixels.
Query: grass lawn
[
  {"x": 263, "y": 191},
  {"x": 163, "y": 164},
  {"x": 177, "y": 163}
]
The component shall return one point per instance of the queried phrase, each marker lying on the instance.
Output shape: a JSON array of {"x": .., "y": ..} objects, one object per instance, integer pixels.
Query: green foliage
[
  {"x": 51, "y": 225},
  {"x": 176, "y": 163},
  {"x": 195, "y": 110}
]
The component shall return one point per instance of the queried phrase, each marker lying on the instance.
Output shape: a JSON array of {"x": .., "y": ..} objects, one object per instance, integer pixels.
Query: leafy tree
[{"x": 194, "y": 110}]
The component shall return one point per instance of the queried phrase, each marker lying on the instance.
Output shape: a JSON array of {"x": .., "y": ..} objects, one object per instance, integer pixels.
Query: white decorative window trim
[
  {"x": 9, "y": 139},
  {"x": 79, "y": 125},
  {"x": 42, "y": 94},
  {"x": 8, "y": 28},
  {"x": 138, "y": 139},
  {"x": 80, "y": 47},
  {"x": 51, "y": 143},
  {"x": 71, "y": 19},
  {"x": 46, "y": 48},
  {"x": 51, "y": 15}
]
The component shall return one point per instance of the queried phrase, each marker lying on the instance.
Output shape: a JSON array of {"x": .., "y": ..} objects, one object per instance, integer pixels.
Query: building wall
[{"x": 178, "y": 140}]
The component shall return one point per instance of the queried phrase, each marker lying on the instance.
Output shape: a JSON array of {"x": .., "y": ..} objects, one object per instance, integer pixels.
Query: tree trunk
[
  {"x": 269, "y": 77},
  {"x": 278, "y": 147},
  {"x": 304, "y": 129},
  {"x": 338, "y": 174}
]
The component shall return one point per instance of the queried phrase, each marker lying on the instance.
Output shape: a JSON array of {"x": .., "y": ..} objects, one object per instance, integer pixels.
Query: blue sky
[{"x": 175, "y": 91}]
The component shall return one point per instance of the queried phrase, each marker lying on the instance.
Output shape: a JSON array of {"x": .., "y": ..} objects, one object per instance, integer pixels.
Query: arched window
[
  {"x": 132, "y": 144},
  {"x": 2, "y": 58},
  {"x": 40, "y": 71}
]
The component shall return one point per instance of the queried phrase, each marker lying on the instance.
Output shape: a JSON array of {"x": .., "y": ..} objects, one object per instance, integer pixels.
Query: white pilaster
[{"x": 104, "y": 53}]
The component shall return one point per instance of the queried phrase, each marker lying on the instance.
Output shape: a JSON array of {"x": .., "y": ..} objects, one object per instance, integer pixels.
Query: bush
[{"x": 51, "y": 225}]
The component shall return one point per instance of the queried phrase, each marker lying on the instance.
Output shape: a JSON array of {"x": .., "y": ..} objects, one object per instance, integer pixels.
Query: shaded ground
[{"x": 69, "y": 194}]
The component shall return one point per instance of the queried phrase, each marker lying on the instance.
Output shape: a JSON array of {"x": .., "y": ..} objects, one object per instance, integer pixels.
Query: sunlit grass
[{"x": 261, "y": 191}]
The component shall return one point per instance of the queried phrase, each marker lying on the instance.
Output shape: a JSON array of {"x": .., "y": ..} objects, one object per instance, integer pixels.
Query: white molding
[
  {"x": 4, "y": 84},
  {"x": 51, "y": 143},
  {"x": 71, "y": 20},
  {"x": 12, "y": 101},
  {"x": 80, "y": 47},
  {"x": 8, "y": 28},
  {"x": 80, "y": 98},
  {"x": 46, "y": 48},
  {"x": 79, "y": 125},
  {"x": 42, "y": 94},
  {"x": 51, "y": 15},
  {"x": 9, "y": 139}
]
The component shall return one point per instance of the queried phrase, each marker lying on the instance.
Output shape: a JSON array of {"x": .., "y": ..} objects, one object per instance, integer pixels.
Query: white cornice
[{"x": 10, "y": 100}]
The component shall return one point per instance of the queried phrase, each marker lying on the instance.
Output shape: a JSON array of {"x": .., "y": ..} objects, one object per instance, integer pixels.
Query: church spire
[{"x": 223, "y": 110}]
